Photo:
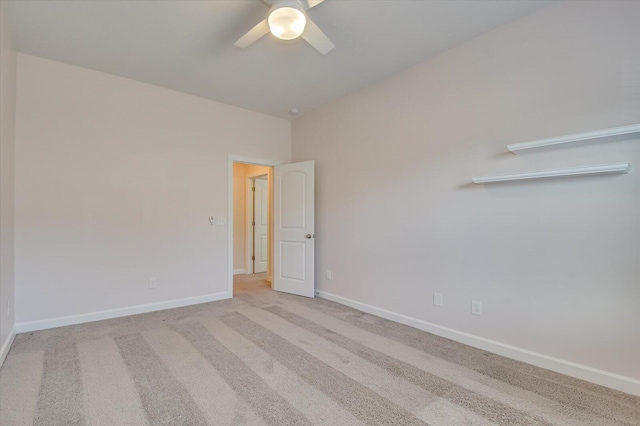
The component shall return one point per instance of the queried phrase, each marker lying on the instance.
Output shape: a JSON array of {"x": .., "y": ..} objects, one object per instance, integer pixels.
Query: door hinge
[
  {"x": 253, "y": 188},
  {"x": 253, "y": 223},
  {"x": 253, "y": 258}
]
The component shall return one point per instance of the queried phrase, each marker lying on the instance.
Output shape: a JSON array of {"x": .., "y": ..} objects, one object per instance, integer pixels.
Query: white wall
[
  {"x": 115, "y": 181},
  {"x": 555, "y": 263},
  {"x": 7, "y": 145}
]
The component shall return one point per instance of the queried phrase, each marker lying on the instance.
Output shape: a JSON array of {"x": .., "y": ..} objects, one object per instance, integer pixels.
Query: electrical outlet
[
  {"x": 476, "y": 307},
  {"x": 437, "y": 299},
  {"x": 329, "y": 274},
  {"x": 222, "y": 221},
  {"x": 153, "y": 282}
]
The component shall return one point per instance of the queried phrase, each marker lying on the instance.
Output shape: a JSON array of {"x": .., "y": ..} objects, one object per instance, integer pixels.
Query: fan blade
[
  {"x": 308, "y": 4},
  {"x": 315, "y": 37},
  {"x": 253, "y": 35}
]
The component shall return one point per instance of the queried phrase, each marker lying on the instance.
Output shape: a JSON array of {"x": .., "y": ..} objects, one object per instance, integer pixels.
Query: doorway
[
  {"x": 290, "y": 194},
  {"x": 250, "y": 260}
]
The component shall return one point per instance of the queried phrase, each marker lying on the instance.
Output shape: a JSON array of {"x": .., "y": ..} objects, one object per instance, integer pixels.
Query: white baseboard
[
  {"x": 116, "y": 313},
  {"x": 239, "y": 271},
  {"x": 6, "y": 345},
  {"x": 593, "y": 375}
]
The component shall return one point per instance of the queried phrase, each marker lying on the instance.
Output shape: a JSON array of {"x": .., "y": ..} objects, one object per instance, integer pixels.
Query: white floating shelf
[
  {"x": 596, "y": 134},
  {"x": 575, "y": 171}
]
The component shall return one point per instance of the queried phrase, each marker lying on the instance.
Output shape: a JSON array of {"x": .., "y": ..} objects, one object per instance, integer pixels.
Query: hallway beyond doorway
[{"x": 250, "y": 283}]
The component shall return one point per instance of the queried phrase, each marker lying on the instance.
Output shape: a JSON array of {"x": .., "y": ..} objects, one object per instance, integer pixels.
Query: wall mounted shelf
[
  {"x": 575, "y": 171},
  {"x": 577, "y": 137}
]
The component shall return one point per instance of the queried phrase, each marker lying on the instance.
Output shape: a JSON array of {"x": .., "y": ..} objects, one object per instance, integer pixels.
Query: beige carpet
[{"x": 265, "y": 358}]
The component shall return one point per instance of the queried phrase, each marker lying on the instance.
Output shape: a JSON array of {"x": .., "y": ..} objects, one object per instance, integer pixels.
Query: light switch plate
[{"x": 437, "y": 299}]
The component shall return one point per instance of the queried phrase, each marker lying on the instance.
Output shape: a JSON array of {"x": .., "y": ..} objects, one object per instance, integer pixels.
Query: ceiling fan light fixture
[{"x": 286, "y": 21}]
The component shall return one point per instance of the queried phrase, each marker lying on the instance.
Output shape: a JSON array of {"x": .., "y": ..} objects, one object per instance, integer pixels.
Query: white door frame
[
  {"x": 246, "y": 160},
  {"x": 250, "y": 236}
]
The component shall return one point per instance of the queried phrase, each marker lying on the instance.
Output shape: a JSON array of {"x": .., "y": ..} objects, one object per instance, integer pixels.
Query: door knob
[{"x": 308, "y": 236}]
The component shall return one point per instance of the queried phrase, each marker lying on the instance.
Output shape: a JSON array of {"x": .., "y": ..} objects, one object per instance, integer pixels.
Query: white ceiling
[{"x": 188, "y": 45}]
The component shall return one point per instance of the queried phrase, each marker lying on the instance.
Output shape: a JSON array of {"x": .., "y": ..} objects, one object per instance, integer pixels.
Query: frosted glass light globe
[{"x": 287, "y": 23}]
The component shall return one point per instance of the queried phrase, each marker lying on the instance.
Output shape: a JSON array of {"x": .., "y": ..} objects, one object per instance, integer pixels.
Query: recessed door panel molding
[
  {"x": 292, "y": 262},
  {"x": 264, "y": 249},
  {"x": 293, "y": 186},
  {"x": 263, "y": 217},
  {"x": 260, "y": 229},
  {"x": 294, "y": 231}
]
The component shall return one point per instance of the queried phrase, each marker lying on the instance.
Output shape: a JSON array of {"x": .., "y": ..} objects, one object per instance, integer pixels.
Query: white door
[
  {"x": 260, "y": 217},
  {"x": 293, "y": 209}
]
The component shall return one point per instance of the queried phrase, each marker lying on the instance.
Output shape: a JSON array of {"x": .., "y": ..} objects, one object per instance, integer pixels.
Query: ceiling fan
[{"x": 288, "y": 20}]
